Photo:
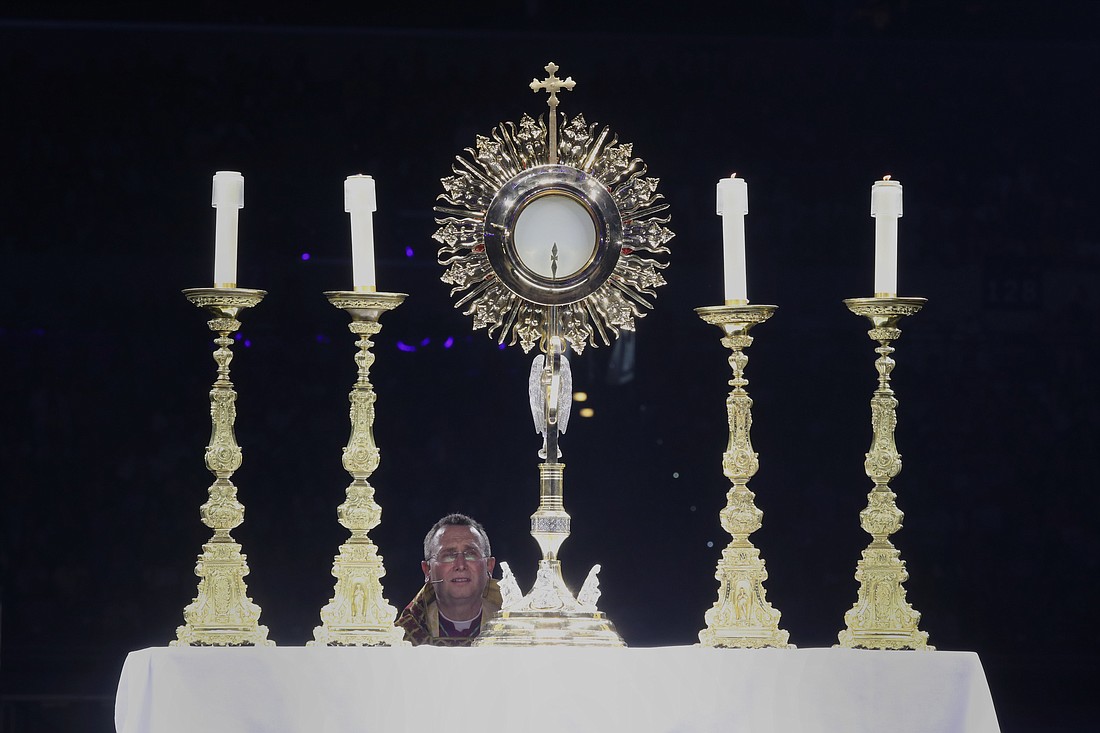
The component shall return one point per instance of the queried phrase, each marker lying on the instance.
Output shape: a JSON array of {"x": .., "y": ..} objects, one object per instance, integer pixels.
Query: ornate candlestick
[
  {"x": 881, "y": 618},
  {"x": 358, "y": 614},
  {"x": 742, "y": 616},
  {"x": 222, "y": 614}
]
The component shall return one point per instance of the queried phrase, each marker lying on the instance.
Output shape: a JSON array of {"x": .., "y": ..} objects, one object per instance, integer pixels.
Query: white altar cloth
[{"x": 657, "y": 690}]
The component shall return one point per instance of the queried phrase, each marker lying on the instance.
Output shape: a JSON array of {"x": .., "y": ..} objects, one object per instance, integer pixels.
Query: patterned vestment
[{"x": 420, "y": 619}]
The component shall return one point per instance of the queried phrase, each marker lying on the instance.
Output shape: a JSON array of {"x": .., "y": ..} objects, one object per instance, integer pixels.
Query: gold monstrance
[{"x": 551, "y": 242}]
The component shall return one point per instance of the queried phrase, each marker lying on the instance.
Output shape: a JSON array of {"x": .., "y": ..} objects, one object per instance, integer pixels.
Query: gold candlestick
[
  {"x": 881, "y": 618},
  {"x": 222, "y": 614},
  {"x": 358, "y": 614},
  {"x": 742, "y": 616}
]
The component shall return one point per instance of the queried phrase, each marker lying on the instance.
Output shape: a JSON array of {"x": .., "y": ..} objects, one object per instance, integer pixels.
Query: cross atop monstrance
[{"x": 553, "y": 85}]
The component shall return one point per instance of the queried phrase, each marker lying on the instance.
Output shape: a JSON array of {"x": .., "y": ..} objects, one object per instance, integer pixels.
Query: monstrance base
[
  {"x": 550, "y": 615},
  {"x": 550, "y": 628}
]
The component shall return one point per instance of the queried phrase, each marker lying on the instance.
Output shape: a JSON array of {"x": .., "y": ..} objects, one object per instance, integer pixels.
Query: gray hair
[{"x": 457, "y": 520}]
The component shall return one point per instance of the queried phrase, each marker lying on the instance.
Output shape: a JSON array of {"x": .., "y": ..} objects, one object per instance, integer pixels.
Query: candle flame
[{"x": 886, "y": 177}]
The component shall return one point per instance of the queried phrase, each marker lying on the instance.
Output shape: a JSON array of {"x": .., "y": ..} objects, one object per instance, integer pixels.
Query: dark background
[{"x": 112, "y": 121}]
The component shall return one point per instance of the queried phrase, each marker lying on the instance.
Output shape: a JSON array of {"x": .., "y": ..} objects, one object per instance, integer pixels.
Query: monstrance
[{"x": 552, "y": 243}]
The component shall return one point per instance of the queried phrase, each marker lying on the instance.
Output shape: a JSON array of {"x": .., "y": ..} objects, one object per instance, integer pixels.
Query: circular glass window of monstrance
[{"x": 553, "y": 235}]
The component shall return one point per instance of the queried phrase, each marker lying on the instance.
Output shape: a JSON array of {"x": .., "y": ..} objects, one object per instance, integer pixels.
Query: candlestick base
[
  {"x": 881, "y": 618},
  {"x": 741, "y": 617},
  {"x": 222, "y": 614},
  {"x": 358, "y": 613}
]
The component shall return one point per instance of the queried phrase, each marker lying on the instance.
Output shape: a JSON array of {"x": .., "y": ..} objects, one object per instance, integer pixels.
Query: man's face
[{"x": 463, "y": 579}]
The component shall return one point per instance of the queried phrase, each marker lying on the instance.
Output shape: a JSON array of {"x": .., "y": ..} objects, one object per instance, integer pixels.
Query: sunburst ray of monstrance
[{"x": 551, "y": 241}]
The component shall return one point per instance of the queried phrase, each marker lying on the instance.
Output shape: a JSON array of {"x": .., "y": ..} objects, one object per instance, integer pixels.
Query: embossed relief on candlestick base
[
  {"x": 358, "y": 613},
  {"x": 222, "y": 614},
  {"x": 881, "y": 618},
  {"x": 742, "y": 617},
  {"x": 555, "y": 242}
]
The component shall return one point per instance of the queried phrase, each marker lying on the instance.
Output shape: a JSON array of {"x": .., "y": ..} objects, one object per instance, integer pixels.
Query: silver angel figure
[{"x": 541, "y": 384}]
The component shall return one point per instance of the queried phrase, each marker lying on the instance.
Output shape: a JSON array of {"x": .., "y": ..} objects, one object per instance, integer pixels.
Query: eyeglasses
[{"x": 450, "y": 556}]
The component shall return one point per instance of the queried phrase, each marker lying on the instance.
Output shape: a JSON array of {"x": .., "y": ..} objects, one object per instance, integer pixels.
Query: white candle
[
  {"x": 886, "y": 210},
  {"x": 228, "y": 197},
  {"x": 733, "y": 204},
  {"x": 359, "y": 201}
]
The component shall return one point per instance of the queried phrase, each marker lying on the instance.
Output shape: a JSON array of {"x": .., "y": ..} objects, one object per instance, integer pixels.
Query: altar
[{"x": 683, "y": 689}]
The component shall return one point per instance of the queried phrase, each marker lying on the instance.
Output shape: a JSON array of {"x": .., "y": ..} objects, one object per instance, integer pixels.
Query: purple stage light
[
  {"x": 408, "y": 251},
  {"x": 449, "y": 342},
  {"x": 402, "y": 346},
  {"x": 305, "y": 257},
  {"x": 425, "y": 342}
]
